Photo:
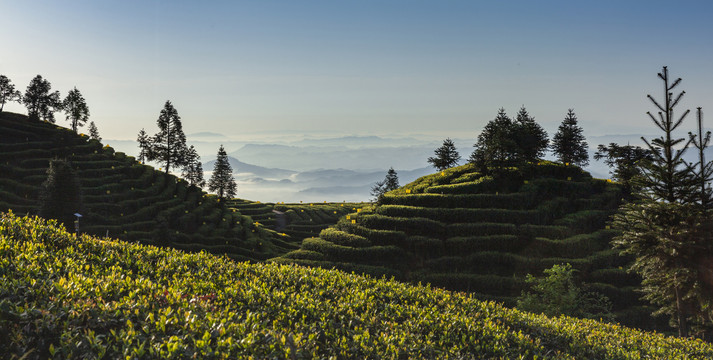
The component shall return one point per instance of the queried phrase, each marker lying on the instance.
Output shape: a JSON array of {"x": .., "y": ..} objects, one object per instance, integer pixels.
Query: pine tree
[
  {"x": 496, "y": 146},
  {"x": 168, "y": 146},
  {"x": 704, "y": 175},
  {"x": 665, "y": 230},
  {"x": 530, "y": 137},
  {"x": 390, "y": 182},
  {"x": 144, "y": 145},
  {"x": 222, "y": 182},
  {"x": 94, "y": 132},
  {"x": 76, "y": 109},
  {"x": 40, "y": 102},
  {"x": 60, "y": 196},
  {"x": 193, "y": 170},
  {"x": 569, "y": 144},
  {"x": 8, "y": 92},
  {"x": 446, "y": 156}
]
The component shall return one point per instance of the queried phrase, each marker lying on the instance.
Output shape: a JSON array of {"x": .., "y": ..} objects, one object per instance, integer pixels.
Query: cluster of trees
[
  {"x": 42, "y": 103},
  {"x": 506, "y": 142},
  {"x": 168, "y": 147}
]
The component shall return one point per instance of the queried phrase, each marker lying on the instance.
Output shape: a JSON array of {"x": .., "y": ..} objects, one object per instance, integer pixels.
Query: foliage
[
  {"x": 557, "y": 294},
  {"x": 626, "y": 162},
  {"x": 76, "y": 109},
  {"x": 94, "y": 132},
  {"x": 530, "y": 137},
  {"x": 144, "y": 146},
  {"x": 40, "y": 102},
  {"x": 8, "y": 92},
  {"x": 446, "y": 156},
  {"x": 390, "y": 182},
  {"x": 221, "y": 181},
  {"x": 64, "y": 297},
  {"x": 496, "y": 146},
  {"x": 193, "y": 170},
  {"x": 665, "y": 230},
  {"x": 61, "y": 195},
  {"x": 704, "y": 173},
  {"x": 168, "y": 146},
  {"x": 569, "y": 143}
]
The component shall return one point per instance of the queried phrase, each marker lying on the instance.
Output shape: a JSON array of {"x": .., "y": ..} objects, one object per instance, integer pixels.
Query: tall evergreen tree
[
  {"x": 530, "y": 137},
  {"x": 40, "y": 102},
  {"x": 193, "y": 170},
  {"x": 144, "y": 146},
  {"x": 168, "y": 146},
  {"x": 76, "y": 109},
  {"x": 446, "y": 156},
  {"x": 221, "y": 181},
  {"x": 8, "y": 92},
  {"x": 60, "y": 196},
  {"x": 569, "y": 144},
  {"x": 94, "y": 132},
  {"x": 664, "y": 229},
  {"x": 704, "y": 173},
  {"x": 496, "y": 146}
]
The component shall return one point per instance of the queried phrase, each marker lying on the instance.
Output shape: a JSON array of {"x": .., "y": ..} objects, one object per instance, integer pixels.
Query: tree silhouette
[
  {"x": 530, "y": 137},
  {"x": 193, "y": 170},
  {"x": 60, "y": 196},
  {"x": 704, "y": 175},
  {"x": 168, "y": 146},
  {"x": 144, "y": 146},
  {"x": 76, "y": 109},
  {"x": 7, "y": 92},
  {"x": 446, "y": 156},
  {"x": 40, "y": 102},
  {"x": 221, "y": 181},
  {"x": 390, "y": 182},
  {"x": 569, "y": 144},
  {"x": 625, "y": 161},
  {"x": 496, "y": 146},
  {"x": 94, "y": 132}
]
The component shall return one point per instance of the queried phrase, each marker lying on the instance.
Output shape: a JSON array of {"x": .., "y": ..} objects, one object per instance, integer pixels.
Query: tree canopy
[
  {"x": 7, "y": 92},
  {"x": 221, "y": 181},
  {"x": 446, "y": 156},
  {"x": 168, "y": 146},
  {"x": 76, "y": 109},
  {"x": 41, "y": 103},
  {"x": 530, "y": 137},
  {"x": 569, "y": 143},
  {"x": 390, "y": 182}
]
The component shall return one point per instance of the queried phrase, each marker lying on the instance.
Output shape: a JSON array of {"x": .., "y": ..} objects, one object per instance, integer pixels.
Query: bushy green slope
[
  {"x": 66, "y": 298},
  {"x": 463, "y": 231},
  {"x": 123, "y": 198},
  {"x": 300, "y": 220}
]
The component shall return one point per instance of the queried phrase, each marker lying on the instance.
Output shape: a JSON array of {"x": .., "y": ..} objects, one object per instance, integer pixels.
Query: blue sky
[{"x": 433, "y": 68}]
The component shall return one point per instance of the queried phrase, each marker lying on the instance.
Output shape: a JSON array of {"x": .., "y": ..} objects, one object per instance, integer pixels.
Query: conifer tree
[
  {"x": 144, "y": 146},
  {"x": 8, "y": 92},
  {"x": 168, "y": 146},
  {"x": 221, "y": 181},
  {"x": 94, "y": 132},
  {"x": 40, "y": 102},
  {"x": 390, "y": 182},
  {"x": 76, "y": 109},
  {"x": 625, "y": 161},
  {"x": 569, "y": 144},
  {"x": 704, "y": 174},
  {"x": 530, "y": 137},
  {"x": 60, "y": 196},
  {"x": 496, "y": 146},
  {"x": 446, "y": 156},
  {"x": 193, "y": 170},
  {"x": 665, "y": 230}
]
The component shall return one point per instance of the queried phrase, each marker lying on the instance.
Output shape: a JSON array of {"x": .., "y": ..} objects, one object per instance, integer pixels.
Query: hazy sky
[{"x": 439, "y": 68}]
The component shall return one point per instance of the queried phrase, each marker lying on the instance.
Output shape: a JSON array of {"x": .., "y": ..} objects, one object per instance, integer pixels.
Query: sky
[{"x": 436, "y": 69}]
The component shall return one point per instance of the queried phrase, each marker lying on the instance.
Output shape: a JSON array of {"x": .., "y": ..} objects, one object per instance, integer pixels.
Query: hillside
[
  {"x": 466, "y": 232},
  {"x": 64, "y": 297},
  {"x": 123, "y": 198}
]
